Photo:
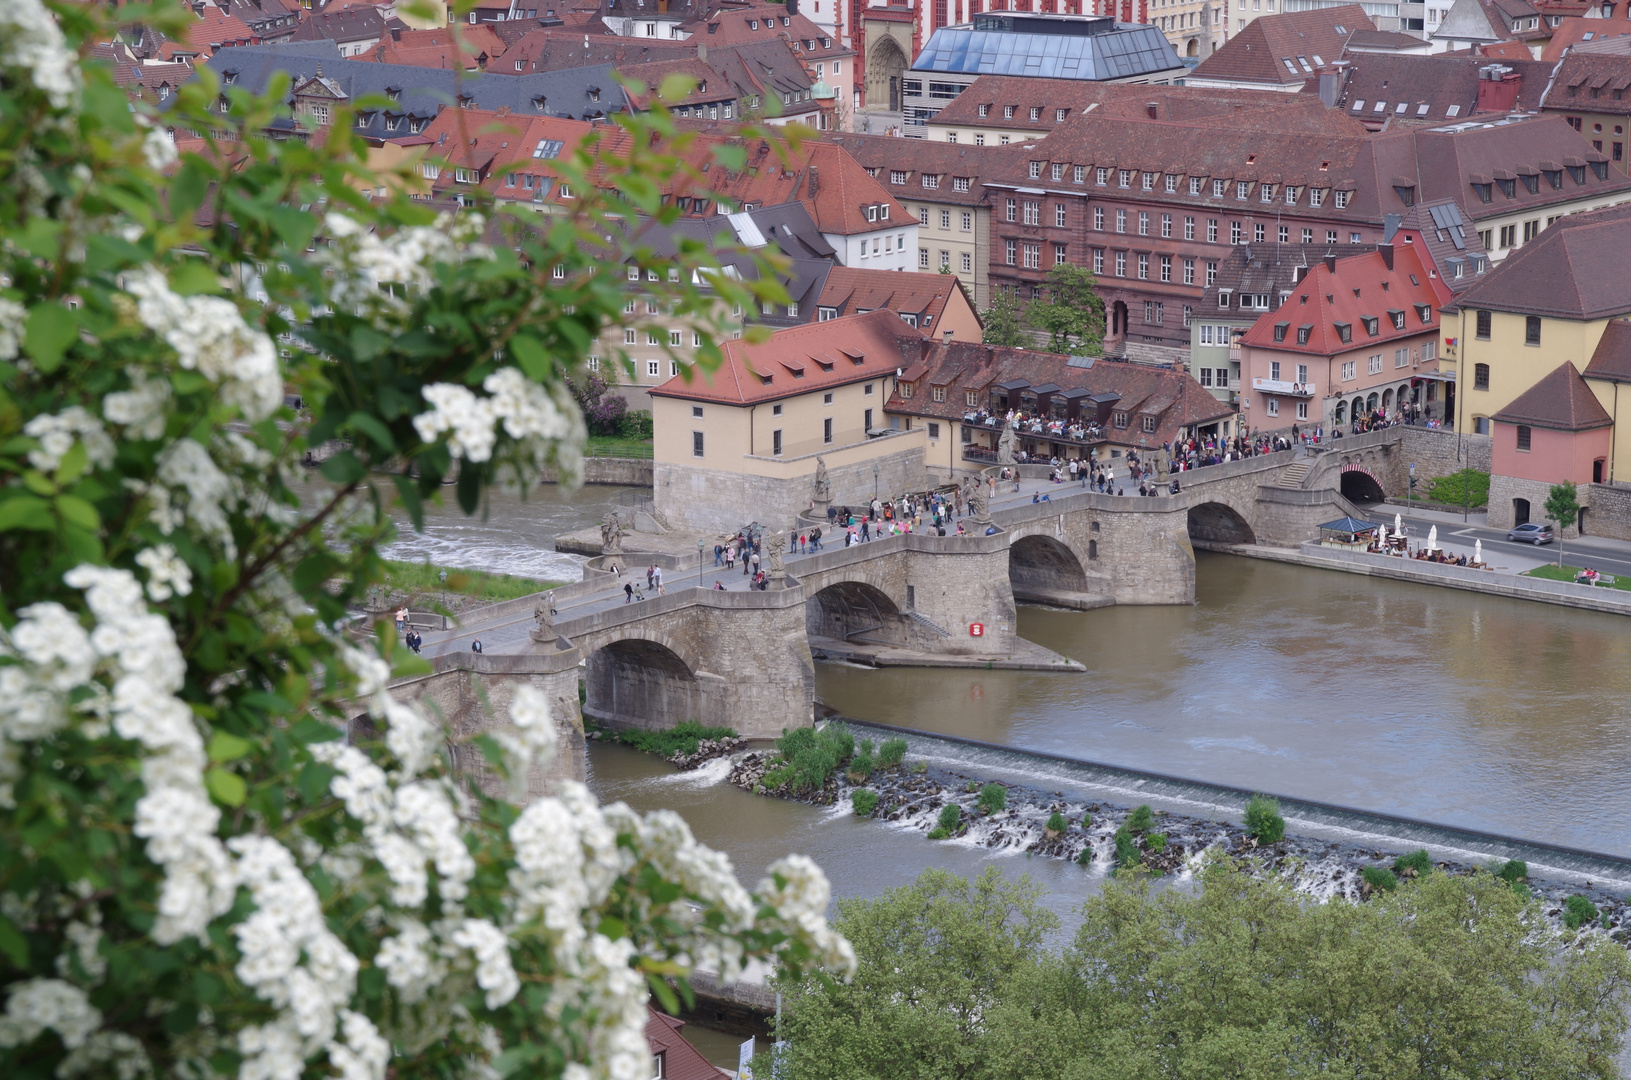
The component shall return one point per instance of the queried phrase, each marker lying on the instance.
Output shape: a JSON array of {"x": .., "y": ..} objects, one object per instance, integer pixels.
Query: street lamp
[
  {"x": 443, "y": 576},
  {"x": 702, "y": 566},
  {"x": 874, "y": 483}
]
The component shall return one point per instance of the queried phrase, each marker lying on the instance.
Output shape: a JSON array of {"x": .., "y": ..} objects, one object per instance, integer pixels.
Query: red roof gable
[
  {"x": 681, "y": 1060},
  {"x": 1360, "y": 288}
]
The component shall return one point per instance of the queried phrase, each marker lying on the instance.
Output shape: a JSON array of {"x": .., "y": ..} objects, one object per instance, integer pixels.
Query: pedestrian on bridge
[
  {"x": 657, "y": 580},
  {"x": 719, "y": 554}
]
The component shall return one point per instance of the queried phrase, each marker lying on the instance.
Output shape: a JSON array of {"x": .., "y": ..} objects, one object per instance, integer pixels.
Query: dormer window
[
  {"x": 1036, "y": 170},
  {"x": 1345, "y": 332},
  {"x": 1486, "y": 192},
  {"x": 1577, "y": 173},
  {"x": 1303, "y": 333},
  {"x": 985, "y": 110},
  {"x": 753, "y": 24},
  {"x": 1398, "y": 319},
  {"x": 1509, "y": 187},
  {"x": 1406, "y": 193},
  {"x": 1280, "y": 331},
  {"x": 1372, "y": 324},
  {"x": 1531, "y": 182},
  {"x": 872, "y": 213},
  {"x": 1342, "y": 199}
]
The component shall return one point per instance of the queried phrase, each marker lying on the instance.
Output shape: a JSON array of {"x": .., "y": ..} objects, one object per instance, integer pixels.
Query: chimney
[
  {"x": 792, "y": 7},
  {"x": 1331, "y": 263},
  {"x": 1330, "y": 87},
  {"x": 1387, "y": 254},
  {"x": 702, "y": 52},
  {"x": 946, "y": 334},
  {"x": 396, "y": 33},
  {"x": 815, "y": 181},
  {"x": 1298, "y": 273},
  {"x": 1153, "y": 108},
  {"x": 1498, "y": 87}
]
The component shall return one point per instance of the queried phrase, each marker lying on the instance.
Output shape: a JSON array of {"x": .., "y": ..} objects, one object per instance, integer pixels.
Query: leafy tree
[
  {"x": 604, "y": 412},
  {"x": 941, "y": 954},
  {"x": 227, "y": 848},
  {"x": 1001, "y": 322},
  {"x": 1071, "y": 314},
  {"x": 1447, "y": 976},
  {"x": 1563, "y": 507}
]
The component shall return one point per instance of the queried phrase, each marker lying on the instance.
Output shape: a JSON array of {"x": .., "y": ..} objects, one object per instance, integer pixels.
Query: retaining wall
[{"x": 621, "y": 472}]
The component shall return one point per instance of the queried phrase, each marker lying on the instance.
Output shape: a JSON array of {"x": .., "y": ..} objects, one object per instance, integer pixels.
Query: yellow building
[{"x": 746, "y": 441}]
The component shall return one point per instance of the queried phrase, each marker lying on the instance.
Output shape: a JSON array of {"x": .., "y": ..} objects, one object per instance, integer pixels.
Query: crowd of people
[{"x": 1043, "y": 426}]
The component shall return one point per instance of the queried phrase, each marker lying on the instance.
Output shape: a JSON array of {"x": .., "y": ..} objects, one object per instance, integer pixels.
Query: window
[
  {"x": 1211, "y": 273},
  {"x": 1121, "y": 221},
  {"x": 1172, "y": 184},
  {"x": 826, "y": 314},
  {"x": 1189, "y": 271},
  {"x": 945, "y": 259},
  {"x": 1056, "y": 171},
  {"x": 594, "y": 362},
  {"x": 1243, "y": 189},
  {"x": 1143, "y": 223},
  {"x": 960, "y": 183},
  {"x": 1194, "y": 185},
  {"x": 1302, "y": 410},
  {"x": 1257, "y": 233},
  {"x": 1008, "y": 112},
  {"x": 1059, "y": 215},
  {"x": 1348, "y": 371},
  {"x": 1011, "y": 209},
  {"x": 1119, "y": 418},
  {"x": 1148, "y": 423},
  {"x": 923, "y": 258},
  {"x": 1143, "y": 266},
  {"x": 696, "y": 444},
  {"x": 1121, "y": 264},
  {"x": 1059, "y": 258},
  {"x": 674, "y": 338},
  {"x": 1524, "y": 437},
  {"x": 1036, "y": 113},
  {"x": 1376, "y": 364},
  {"x": 1272, "y": 406},
  {"x": 1372, "y": 324},
  {"x": 945, "y": 219},
  {"x": 1401, "y": 357},
  {"x": 1218, "y": 188},
  {"x": 1189, "y": 228},
  {"x": 1480, "y": 376},
  {"x": 1101, "y": 177},
  {"x": 930, "y": 181},
  {"x": 967, "y": 222},
  {"x": 1484, "y": 319},
  {"x": 968, "y": 263},
  {"x": 1098, "y": 261},
  {"x": 905, "y": 389},
  {"x": 1078, "y": 174},
  {"x": 1211, "y": 230},
  {"x": 652, "y": 368},
  {"x": 1308, "y": 236},
  {"x": 629, "y": 338},
  {"x": 867, "y": 390},
  {"x": 1189, "y": 313},
  {"x": 1098, "y": 218},
  {"x": 1509, "y": 236},
  {"x": 1531, "y": 330},
  {"x": 1010, "y": 249},
  {"x": 1147, "y": 181},
  {"x": 1033, "y": 256},
  {"x": 866, "y": 420},
  {"x": 1429, "y": 350},
  {"x": 1036, "y": 170},
  {"x": 934, "y": 431},
  {"x": 1303, "y": 332},
  {"x": 1166, "y": 268},
  {"x": 1033, "y": 213},
  {"x": 1166, "y": 226},
  {"x": 1204, "y": 376},
  {"x": 1124, "y": 178},
  {"x": 1342, "y": 199},
  {"x": 793, "y": 310},
  {"x": 1234, "y": 232},
  {"x": 1345, "y": 332},
  {"x": 923, "y": 215},
  {"x": 826, "y": 427}
]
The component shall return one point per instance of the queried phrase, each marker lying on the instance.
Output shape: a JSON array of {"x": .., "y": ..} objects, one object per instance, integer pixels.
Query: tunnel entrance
[
  {"x": 1359, "y": 486},
  {"x": 1215, "y": 523},
  {"x": 1043, "y": 570},
  {"x": 640, "y": 684}
]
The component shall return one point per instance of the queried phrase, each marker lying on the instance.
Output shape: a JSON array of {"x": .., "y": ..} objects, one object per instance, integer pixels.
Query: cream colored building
[{"x": 742, "y": 443}]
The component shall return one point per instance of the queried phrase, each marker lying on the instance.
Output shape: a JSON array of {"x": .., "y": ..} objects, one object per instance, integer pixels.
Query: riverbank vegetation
[
  {"x": 1469, "y": 487},
  {"x": 681, "y": 740},
  {"x": 421, "y": 584},
  {"x": 1443, "y": 976},
  {"x": 1569, "y": 573}
]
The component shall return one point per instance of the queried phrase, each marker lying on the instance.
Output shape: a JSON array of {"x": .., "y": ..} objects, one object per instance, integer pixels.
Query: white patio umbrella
[
  {"x": 1398, "y": 525},
  {"x": 1432, "y": 538},
  {"x": 1477, "y": 551},
  {"x": 1381, "y": 537}
]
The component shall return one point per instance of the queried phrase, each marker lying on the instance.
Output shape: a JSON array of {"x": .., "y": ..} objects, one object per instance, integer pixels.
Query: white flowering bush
[{"x": 225, "y": 847}]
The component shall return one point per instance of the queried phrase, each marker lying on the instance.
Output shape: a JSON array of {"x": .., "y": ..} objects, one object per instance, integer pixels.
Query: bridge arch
[
  {"x": 641, "y": 682},
  {"x": 1358, "y": 484},
  {"x": 1040, "y": 566},
  {"x": 1220, "y": 523}
]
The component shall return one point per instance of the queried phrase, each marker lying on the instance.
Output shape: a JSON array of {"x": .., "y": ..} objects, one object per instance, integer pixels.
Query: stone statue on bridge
[
  {"x": 611, "y": 534},
  {"x": 543, "y": 618},
  {"x": 1005, "y": 445},
  {"x": 979, "y": 502},
  {"x": 776, "y": 547},
  {"x": 823, "y": 486}
]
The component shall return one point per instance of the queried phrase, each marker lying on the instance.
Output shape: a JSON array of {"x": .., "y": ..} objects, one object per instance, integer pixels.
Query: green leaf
[
  {"x": 531, "y": 357},
  {"x": 187, "y": 190},
  {"x": 613, "y": 927},
  {"x": 51, "y": 329},
  {"x": 41, "y": 236},
  {"x": 374, "y": 429},
  {"x": 293, "y": 226},
  {"x": 77, "y": 511},
  {"x": 227, "y": 747},
  {"x": 411, "y": 502},
  {"x": 731, "y": 156},
  {"x": 664, "y": 993},
  {"x": 26, "y": 512},
  {"x": 314, "y": 780},
  {"x": 308, "y": 730},
  {"x": 511, "y": 1060},
  {"x": 343, "y": 468},
  {"x": 194, "y": 277},
  {"x": 12, "y": 944},
  {"x": 228, "y": 788},
  {"x": 367, "y": 343},
  {"x": 72, "y": 465}
]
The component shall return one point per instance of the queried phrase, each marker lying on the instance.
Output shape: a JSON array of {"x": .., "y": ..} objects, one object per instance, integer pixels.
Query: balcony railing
[{"x": 1280, "y": 386}]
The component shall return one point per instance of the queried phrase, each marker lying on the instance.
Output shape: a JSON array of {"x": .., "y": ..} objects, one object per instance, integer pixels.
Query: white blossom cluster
[
  {"x": 208, "y": 495},
  {"x": 31, "y": 41},
  {"x": 57, "y": 432},
  {"x": 373, "y": 272},
  {"x": 210, "y": 336},
  {"x": 39, "y": 1005},
  {"x": 12, "y": 317},
  {"x": 140, "y": 409},
  {"x": 167, "y": 575},
  {"x": 528, "y": 413}
]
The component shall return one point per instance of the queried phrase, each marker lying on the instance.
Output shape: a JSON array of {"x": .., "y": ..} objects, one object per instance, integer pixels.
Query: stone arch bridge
[{"x": 744, "y": 659}]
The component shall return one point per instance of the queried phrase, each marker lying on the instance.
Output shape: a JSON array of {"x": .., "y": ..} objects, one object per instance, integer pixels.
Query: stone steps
[{"x": 1292, "y": 475}]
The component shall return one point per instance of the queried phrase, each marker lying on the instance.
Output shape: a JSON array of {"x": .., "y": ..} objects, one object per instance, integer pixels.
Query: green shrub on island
[
  {"x": 993, "y": 798},
  {"x": 1085, "y": 856},
  {"x": 682, "y": 738},
  {"x": 919, "y": 768},
  {"x": 864, "y": 801},
  {"x": 866, "y": 747},
  {"x": 1379, "y": 878},
  {"x": 1513, "y": 871},
  {"x": 809, "y": 757},
  {"x": 939, "y": 833},
  {"x": 971, "y": 787},
  {"x": 1087, "y": 821},
  {"x": 951, "y": 815},
  {"x": 860, "y": 766},
  {"x": 1263, "y": 820},
  {"x": 1418, "y": 862},
  {"x": 1156, "y": 842},
  {"x": 1057, "y": 822},
  {"x": 1127, "y": 853},
  {"x": 1142, "y": 819},
  {"x": 1578, "y": 911},
  {"x": 891, "y": 753}
]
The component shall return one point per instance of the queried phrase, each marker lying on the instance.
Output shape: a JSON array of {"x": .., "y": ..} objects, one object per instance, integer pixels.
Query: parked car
[{"x": 1532, "y": 533}]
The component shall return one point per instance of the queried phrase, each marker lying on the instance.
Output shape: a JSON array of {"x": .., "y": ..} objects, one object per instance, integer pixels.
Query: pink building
[
  {"x": 1356, "y": 336},
  {"x": 1555, "y": 432}
]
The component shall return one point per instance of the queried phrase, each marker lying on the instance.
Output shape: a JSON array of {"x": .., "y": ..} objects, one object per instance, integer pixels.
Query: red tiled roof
[
  {"x": 499, "y": 144},
  {"x": 753, "y": 23},
  {"x": 800, "y": 360},
  {"x": 1561, "y": 401},
  {"x": 681, "y": 1060},
  {"x": 1575, "y": 269},
  {"x": 1611, "y": 360},
  {"x": 1360, "y": 288},
  {"x": 1260, "y": 53},
  {"x": 853, "y": 290}
]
